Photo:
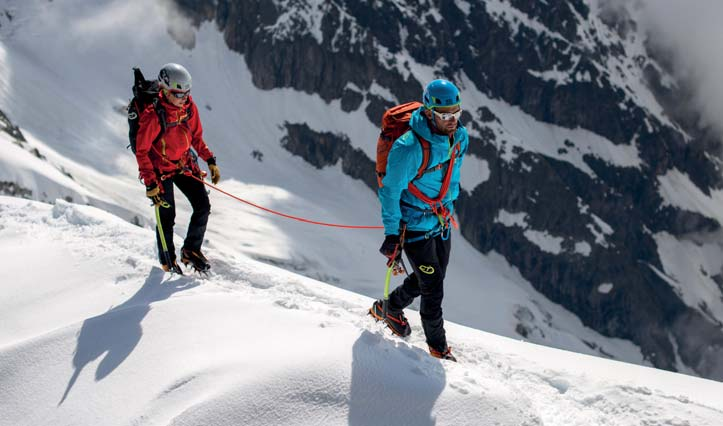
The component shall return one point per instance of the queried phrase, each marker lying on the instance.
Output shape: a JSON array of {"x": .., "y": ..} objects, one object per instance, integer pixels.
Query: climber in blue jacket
[{"x": 417, "y": 217}]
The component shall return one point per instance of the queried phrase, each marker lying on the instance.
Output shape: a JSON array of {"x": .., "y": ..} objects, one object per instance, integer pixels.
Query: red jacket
[{"x": 171, "y": 153}]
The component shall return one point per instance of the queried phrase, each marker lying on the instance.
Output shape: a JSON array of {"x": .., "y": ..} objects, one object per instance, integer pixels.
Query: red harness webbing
[{"x": 436, "y": 204}]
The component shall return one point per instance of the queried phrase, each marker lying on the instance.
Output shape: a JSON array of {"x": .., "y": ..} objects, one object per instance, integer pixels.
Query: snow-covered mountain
[
  {"x": 590, "y": 207},
  {"x": 94, "y": 333},
  {"x": 594, "y": 174}
]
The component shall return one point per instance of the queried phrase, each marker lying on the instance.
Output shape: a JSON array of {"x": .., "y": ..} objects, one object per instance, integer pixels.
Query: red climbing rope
[{"x": 300, "y": 219}]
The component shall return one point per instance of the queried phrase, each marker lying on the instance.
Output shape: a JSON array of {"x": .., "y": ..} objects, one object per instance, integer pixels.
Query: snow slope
[{"x": 99, "y": 335}]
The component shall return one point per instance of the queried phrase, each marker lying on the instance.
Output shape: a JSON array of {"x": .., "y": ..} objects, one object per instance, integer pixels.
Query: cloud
[
  {"x": 108, "y": 18},
  {"x": 692, "y": 33}
]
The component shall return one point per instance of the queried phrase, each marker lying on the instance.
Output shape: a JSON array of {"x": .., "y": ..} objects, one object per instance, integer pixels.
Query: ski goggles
[
  {"x": 179, "y": 94},
  {"x": 446, "y": 116}
]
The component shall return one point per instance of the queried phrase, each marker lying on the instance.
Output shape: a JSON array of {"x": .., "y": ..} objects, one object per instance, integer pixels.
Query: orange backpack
[{"x": 395, "y": 122}]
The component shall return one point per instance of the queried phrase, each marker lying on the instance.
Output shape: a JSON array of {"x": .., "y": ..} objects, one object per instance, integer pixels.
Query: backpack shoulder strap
[
  {"x": 456, "y": 149},
  {"x": 426, "y": 148},
  {"x": 161, "y": 113}
]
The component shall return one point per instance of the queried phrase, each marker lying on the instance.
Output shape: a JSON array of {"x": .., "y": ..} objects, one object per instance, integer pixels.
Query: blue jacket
[{"x": 405, "y": 158}]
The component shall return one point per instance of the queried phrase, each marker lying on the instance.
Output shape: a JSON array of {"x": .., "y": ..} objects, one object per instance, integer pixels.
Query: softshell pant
[
  {"x": 429, "y": 259},
  {"x": 197, "y": 196}
]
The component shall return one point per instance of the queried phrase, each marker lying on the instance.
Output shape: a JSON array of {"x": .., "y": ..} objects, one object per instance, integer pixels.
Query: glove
[
  {"x": 154, "y": 193},
  {"x": 215, "y": 172},
  {"x": 390, "y": 248}
]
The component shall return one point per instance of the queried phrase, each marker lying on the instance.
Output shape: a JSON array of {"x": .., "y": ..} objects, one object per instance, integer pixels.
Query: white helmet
[{"x": 174, "y": 77}]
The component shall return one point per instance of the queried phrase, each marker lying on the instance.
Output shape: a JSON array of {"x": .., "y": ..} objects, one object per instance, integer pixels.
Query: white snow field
[{"x": 93, "y": 333}]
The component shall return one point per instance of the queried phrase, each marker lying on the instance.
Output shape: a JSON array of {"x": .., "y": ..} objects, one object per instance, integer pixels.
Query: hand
[
  {"x": 391, "y": 249},
  {"x": 154, "y": 193},
  {"x": 215, "y": 173}
]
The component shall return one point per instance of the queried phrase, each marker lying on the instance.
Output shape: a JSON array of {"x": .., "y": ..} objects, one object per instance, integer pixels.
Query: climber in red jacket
[{"x": 169, "y": 128}]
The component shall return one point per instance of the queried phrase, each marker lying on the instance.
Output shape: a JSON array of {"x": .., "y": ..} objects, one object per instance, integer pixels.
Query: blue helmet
[{"x": 440, "y": 93}]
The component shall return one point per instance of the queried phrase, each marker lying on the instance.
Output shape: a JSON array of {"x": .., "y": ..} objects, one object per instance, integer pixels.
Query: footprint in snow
[
  {"x": 459, "y": 388},
  {"x": 558, "y": 383},
  {"x": 287, "y": 304}
]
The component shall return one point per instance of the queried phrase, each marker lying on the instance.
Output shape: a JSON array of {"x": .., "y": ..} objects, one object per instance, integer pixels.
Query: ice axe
[{"x": 172, "y": 267}]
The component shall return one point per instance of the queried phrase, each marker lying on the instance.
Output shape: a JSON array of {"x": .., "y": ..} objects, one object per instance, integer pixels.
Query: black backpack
[{"x": 145, "y": 92}]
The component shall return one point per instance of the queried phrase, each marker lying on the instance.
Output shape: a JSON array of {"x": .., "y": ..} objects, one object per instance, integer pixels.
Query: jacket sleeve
[
  {"x": 402, "y": 164},
  {"x": 197, "y": 141},
  {"x": 148, "y": 129}
]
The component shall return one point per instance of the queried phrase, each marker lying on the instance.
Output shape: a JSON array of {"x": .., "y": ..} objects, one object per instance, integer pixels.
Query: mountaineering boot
[
  {"x": 396, "y": 321},
  {"x": 174, "y": 268},
  {"x": 445, "y": 354},
  {"x": 196, "y": 259}
]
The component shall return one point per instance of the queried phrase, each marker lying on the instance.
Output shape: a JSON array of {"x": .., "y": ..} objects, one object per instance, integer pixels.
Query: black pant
[
  {"x": 429, "y": 259},
  {"x": 197, "y": 196}
]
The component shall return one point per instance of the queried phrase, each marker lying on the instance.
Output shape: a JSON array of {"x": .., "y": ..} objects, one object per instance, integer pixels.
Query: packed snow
[{"x": 100, "y": 335}]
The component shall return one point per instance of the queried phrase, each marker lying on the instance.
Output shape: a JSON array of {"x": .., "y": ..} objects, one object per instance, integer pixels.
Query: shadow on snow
[
  {"x": 391, "y": 384},
  {"x": 117, "y": 332}
]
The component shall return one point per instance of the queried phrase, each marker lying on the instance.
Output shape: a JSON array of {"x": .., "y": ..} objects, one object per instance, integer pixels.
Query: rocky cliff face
[
  {"x": 582, "y": 225},
  {"x": 8, "y": 187}
]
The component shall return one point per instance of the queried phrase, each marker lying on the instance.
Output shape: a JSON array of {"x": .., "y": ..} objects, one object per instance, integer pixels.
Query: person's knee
[
  {"x": 205, "y": 209},
  {"x": 202, "y": 206},
  {"x": 168, "y": 216},
  {"x": 432, "y": 296},
  {"x": 430, "y": 283}
]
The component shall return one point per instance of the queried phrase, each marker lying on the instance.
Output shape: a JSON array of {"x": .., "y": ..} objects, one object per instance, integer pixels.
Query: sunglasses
[
  {"x": 179, "y": 94},
  {"x": 446, "y": 116}
]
